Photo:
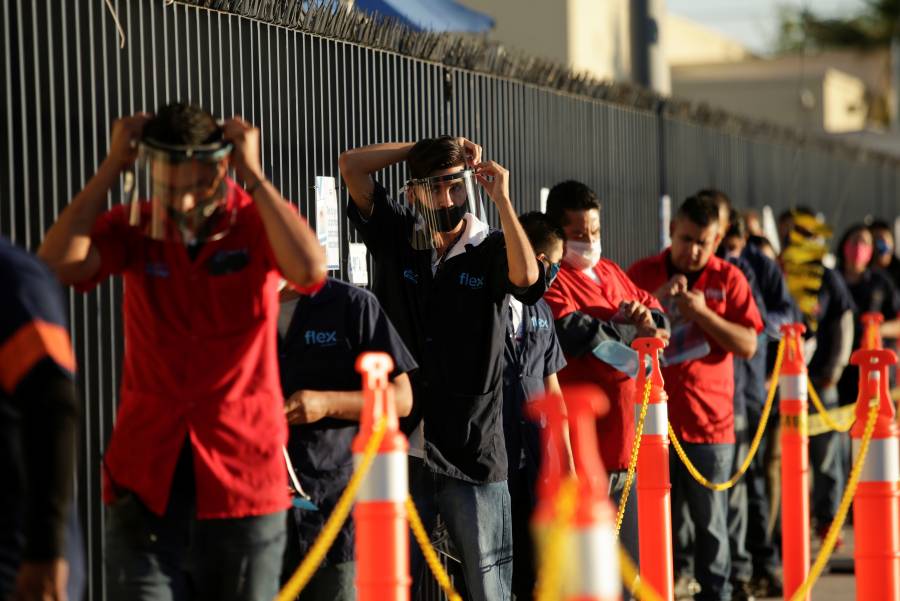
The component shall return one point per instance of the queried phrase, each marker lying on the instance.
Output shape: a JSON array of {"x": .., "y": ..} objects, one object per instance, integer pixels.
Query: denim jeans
[
  {"x": 176, "y": 557},
  {"x": 479, "y": 522},
  {"x": 765, "y": 555},
  {"x": 741, "y": 561},
  {"x": 827, "y": 466},
  {"x": 708, "y": 510},
  {"x": 628, "y": 535}
]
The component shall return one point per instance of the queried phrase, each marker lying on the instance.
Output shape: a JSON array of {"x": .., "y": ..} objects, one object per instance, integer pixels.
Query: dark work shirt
[
  {"x": 834, "y": 301},
  {"x": 38, "y": 413},
  {"x": 327, "y": 333},
  {"x": 750, "y": 374},
  {"x": 527, "y": 361},
  {"x": 454, "y": 322},
  {"x": 874, "y": 293}
]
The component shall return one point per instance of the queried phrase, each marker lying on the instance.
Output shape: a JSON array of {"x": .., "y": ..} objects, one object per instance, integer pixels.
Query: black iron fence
[{"x": 64, "y": 79}]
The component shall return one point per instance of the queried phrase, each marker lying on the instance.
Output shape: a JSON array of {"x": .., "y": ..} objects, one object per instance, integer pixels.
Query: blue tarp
[{"x": 429, "y": 15}]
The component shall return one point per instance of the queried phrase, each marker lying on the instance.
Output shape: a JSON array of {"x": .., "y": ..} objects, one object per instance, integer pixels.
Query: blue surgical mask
[
  {"x": 552, "y": 271},
  {"x": 881, "y": 247}
]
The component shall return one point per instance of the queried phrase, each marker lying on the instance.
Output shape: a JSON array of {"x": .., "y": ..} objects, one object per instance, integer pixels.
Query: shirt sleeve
[
  {"x": 501, "y": 286},
  {"x": 114, "y": 240},
  {"x": 740, "y": 307},
  {"x": 389, "y": 223},
  {"x": 554, "y": 361},
  {"x": 379, "y": 334},
  {"x": 778, "y": 302}
]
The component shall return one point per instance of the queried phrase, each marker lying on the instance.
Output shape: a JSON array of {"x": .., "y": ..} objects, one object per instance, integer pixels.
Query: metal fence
[{"x": 64, "y": 79}]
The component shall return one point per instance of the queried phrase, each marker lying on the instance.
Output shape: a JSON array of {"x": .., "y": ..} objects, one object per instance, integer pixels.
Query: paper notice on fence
[
  {"x": 359, "y": 270},
  {"x": 328, "y": 227},
  {"x": 545, "y": 192}
]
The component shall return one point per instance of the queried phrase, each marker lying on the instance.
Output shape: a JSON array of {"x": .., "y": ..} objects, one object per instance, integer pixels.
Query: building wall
[
  {"x": 689, "y": 43},
  {"x": 844, "y": 102}
]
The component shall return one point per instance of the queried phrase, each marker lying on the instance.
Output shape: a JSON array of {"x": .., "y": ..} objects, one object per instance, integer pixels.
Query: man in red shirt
[
  {"x": 194, "y": 471},
  {"x": 598, "y": 309},
  {"x": 714, "y": 318}
]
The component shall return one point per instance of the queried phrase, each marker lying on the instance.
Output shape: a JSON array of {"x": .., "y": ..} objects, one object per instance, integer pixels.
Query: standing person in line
[
  {"x": 714, "y": 318},
  {"x": 320, "y": 336},
  {"x": 40, "y": 558},
  {"x": 443, "y": 277},
  {"x": 194, "y": 474},
  {"x": 598, "y": 312},
  {"x": 532, "y": 359}
]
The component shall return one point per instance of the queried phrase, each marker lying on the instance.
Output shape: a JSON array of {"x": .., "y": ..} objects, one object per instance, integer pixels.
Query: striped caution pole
[
  {"x": 382, "y": 539},
  {"x": 876, "y": 506},
  {"x": 792, "y": 388},
  {"x": 653, "y": 483},
  {"x": 871, "y": 339},
  {"x": 595, "y": 569}
]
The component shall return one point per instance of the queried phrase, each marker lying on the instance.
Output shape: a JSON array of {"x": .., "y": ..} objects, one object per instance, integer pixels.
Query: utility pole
[{"x": 649, "y": 66}]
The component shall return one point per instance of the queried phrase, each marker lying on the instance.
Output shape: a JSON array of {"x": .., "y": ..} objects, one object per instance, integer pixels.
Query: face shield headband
[
  {"x": 178, "y": 193},
  {"x": 440, "y": 203}
]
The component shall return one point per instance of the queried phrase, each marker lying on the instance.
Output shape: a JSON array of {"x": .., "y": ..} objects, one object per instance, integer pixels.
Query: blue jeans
[
  {"x": 741, "y": 561},
  {"x": 827, "y": 466},
  {"x": 708, "y": 510},
  {"x": 176, "y": 557},
  {"x": 629, "y": 532},
  {"x": 479, "y": 522},
  {"x": 759, "y": 540}
]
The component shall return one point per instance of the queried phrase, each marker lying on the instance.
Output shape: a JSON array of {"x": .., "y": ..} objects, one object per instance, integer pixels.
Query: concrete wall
[{"x": 689, "y": 43}]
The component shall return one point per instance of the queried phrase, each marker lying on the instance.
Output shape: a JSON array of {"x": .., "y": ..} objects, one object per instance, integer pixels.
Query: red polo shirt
[
  {"x": 572, "y": 290},
  {"x": 701, "y": 391},
  {"x": 200, "y": 363}
]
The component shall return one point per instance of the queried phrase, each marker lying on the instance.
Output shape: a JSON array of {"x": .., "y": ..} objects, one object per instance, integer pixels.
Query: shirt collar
[{"x": 473, "y": 233}]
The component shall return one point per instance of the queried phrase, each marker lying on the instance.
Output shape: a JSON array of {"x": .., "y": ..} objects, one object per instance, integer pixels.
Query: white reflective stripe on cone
[
  {"x": 656, "y": 420},
  {"x": 882, "y": 461},
  {"x": 597, "y": 560},
  {"x": 386, "y": 480},
  {"x": 793, "y": 388}
]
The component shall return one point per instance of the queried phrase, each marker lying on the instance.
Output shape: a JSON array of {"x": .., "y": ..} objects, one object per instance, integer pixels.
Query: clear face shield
[
  {"x": 440, "y": 203},
  {"x": 184, "y": 189}
]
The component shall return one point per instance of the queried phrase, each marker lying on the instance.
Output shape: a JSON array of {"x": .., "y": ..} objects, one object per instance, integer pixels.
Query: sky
[{"x": 754, "y": 23}]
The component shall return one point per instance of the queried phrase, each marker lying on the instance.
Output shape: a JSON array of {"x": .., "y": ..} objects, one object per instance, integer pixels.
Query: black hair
[
  {"x": 182, "y": 124},
  {"x": 737, "y": 225},
  {"x": 700, "y": 210},
  {"x": 541, "y": 232},
  {"x": 720, "y": 198},
  {"x": 569, "y": 195},
  {"x": 881, "y": 224},
  {"x": 759, "y": 241},
  {"x": 799, "y": 210},
  {"x": 432, "y": 154}
]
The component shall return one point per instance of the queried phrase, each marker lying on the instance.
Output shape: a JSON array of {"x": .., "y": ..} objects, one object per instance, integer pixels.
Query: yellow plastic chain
[
  {"x": 640, "y": 590},
  {"x": 823, "y": 412},
  {"x": 754, "y": 445},
  {"x": 841, "y": 515},
  {"x": 310, "y": 563},
  {"x": 632, "y": 464},
  {"x": 431, "y": 558},
  {"x": 552, "y": 555}
]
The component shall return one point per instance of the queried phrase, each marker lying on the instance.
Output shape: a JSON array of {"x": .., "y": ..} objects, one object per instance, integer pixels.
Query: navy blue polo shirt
[
  {"x": 528, "y": 360},
  {"x": 874, "y": 293},
  {"x": 327, "y": 332},
  {"x": 834, "y": 300},
  {"x": 34, "y": 335},
  {"x": 454, "y": 322}
]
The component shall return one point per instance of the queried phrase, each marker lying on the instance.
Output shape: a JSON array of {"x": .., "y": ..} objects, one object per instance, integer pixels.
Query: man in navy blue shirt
[
  {"x": 38, "y": 425},
  {"x": 444, "y": 276},
  {"x": 532, "y": 356},
  {"x": 320, "y": 337}
]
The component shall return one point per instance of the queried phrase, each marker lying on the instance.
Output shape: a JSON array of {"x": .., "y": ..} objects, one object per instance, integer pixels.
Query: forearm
[
  {"x": 551, "y": 387},
  {"x": 734, "y": 338},
  {"x": 67, "y": 244},
  {"x": 890, "y": 329},
  {"x": 522, "y": 264},
  {"x": 358, "y": 165},
  {"x": 348, "y": 404},
  {"x": 296, "y": 248}
]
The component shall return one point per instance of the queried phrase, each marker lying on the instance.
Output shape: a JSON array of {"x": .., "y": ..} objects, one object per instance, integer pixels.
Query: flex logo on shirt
[
  {"x": 715, "y": 294},
  {"x": 411, "y": 275},
  {"x": 320, "y": 337},
  {"x": 539, "y": 323},
  {"x": 470, "y": 281}
]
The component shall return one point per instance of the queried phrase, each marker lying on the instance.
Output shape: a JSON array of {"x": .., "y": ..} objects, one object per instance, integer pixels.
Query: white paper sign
[
  {"x": 359, "y": 271},
  {"x": 545, "y": 192},
  {"x": 665, "y": 220},
  {"x": 328, "y": 227}
]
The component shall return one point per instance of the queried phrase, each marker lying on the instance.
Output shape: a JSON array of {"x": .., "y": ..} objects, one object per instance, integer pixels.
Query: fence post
[{"x": 382, "y": 532}]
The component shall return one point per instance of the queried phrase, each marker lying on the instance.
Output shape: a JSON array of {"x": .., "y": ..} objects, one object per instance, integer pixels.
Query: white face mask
[{"x": 582, "y": 255}]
